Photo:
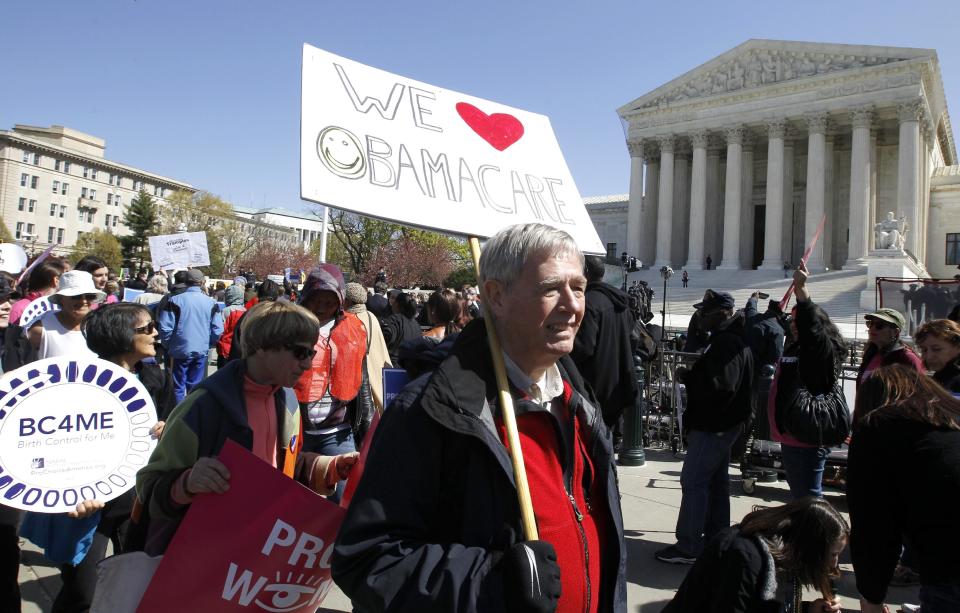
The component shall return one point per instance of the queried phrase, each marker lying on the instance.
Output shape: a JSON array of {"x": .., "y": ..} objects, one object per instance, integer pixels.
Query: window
[
  {"x": 63, "y": 211},
  {"x": 56, "y": 165},
  {"x": 36, "y": 159},
  {"x": 79, "y": 235},
  {"x": 93, "y": 174},
  {"x": 30, "y": 229},
  {"x": 53, "y": 210},
  {"x": 22, "y": 205},
  {"x": 93, "y": 194},
  {"x": 19, "y": 233},
  {"x": 116, "y": 200},
  {"x": 56, "y": 187},
  {"x": 23, "y": 179},
  {"x": 59, "y": 236},
  {"x": 86, "y": 172},
  {"x": 137, "y": 185},
  {"x": 109, "y": 199},
  {"x": 115, "y": 218},
  {"x": 83, "y": 192},
  {"x": 611, "y": 251},
  {"x": 26, "y": 156},
  {"x": 106, "y": 220},
  {"x": 34, "y": 182},
  {"x": 953, "y": 248},
  {"x": 65, "y": 189},
  {"x": 66, "y": 167},
  {"x": 50, "y": 232},
  {"x": 32, "y": 206},
  {"x": 90, "y": 216},
  {"x": 81, "y": 214}
]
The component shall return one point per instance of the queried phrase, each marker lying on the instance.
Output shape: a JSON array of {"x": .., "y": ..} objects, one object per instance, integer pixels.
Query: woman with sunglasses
[
  {"x": 884, "y": 348},
  {"x": 124, "y": 334},
  {"x": 57, "y": 333}
]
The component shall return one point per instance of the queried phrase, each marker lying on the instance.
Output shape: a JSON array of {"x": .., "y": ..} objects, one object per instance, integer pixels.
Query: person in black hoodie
[
  {"x": 719, "y": 398},
  {"x": 401, "y": 325},
  {"x": 903, "y": 487},
  {"x": 939, "y": 344},
  {"x": 602, "y": 350}
]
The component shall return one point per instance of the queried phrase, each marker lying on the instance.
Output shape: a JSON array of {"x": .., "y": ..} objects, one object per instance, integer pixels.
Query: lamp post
[{"x": 666, "y": 272}]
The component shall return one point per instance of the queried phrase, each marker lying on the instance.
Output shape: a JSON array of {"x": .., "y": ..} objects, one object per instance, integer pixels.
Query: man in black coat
[
  {"x": 378, "y": 303},
  {"x": 602, "y": 350},
  {"x": 719, "y": 396}
]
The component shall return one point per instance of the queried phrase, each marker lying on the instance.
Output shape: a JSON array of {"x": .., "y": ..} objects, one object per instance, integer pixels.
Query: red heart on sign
[{"x": 500, "y": 130}]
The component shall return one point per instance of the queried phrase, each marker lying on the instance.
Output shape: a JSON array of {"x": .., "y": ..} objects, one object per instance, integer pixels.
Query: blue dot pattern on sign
[{"x": 120, "y": 384}]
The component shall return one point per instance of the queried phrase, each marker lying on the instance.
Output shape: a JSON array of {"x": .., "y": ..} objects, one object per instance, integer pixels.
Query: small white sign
[
  {"x": 71, "y": 430},
  {"x": 387, "y": 146},
  {"x": 13, "y": 258},
  {"x": 35, "y": 310},
  {"x": 177, "y": 251}
]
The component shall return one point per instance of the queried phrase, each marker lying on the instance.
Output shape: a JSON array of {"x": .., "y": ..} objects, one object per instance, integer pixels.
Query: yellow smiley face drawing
[{"x": 340, "y": 152}]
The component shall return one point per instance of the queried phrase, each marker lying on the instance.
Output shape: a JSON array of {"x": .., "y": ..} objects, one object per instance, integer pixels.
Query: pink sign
[{"x": 264, "y": 545}]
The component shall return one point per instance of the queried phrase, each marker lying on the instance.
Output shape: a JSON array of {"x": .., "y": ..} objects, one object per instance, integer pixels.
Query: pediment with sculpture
[{"x": 759, "y": 67}]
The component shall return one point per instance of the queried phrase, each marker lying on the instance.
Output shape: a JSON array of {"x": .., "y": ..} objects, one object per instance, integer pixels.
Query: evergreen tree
[{"x": 143, "y": 219}]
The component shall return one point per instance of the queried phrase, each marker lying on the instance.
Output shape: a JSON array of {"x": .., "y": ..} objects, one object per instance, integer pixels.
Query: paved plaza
[{"x": 651, "y": 500}]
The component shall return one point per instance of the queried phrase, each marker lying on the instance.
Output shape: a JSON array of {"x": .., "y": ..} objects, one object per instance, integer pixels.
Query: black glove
[{"x": 531, "y": 578}]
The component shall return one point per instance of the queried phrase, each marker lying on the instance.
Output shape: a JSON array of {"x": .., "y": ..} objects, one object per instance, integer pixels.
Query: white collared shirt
[{"x": 543, "y": 391}]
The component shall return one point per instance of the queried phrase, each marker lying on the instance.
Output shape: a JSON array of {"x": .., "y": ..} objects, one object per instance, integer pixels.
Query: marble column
[
  {"x": 908, "y": 172},
  {"x": 857, "y": 245},
  {"x": 787, "y": 239},
  {"x": 681, "y": 203},
  {"x": 635, "y": 206},
  {"x": 665, "y": 202},
  {"x": 713, "y": 235},
  {"x": 773, "y": 224},
  {"x": 698, "y": 201},
  {"x": 816, "y": 188},
  {"x": 732, "y": 200},
  {"x": 746, "y": 199},
  {"x": 829, "y": 200},
  {"x": 651, "y": 195}
]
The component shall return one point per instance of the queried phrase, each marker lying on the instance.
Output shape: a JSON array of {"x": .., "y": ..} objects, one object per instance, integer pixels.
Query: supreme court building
[{"x": 743, "y": 157}]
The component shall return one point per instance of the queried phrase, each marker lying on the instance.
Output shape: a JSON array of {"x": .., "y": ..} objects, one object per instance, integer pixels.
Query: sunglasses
[
  {"x": 300, "y": 352},
  {"x": 876, "y": 324},
  {"x": 147, "y": 329},
  {"x": 87, "y": 297}
]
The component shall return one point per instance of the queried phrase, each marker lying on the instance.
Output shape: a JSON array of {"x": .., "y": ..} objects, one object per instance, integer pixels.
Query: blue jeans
[
  {"x": 940, "y": 597},
  {"x": 705, "y": 481},
  {"x": 804, "y": 466},
  {"x": 187, "y": 374},
  {"x": 334, "y": 443}
]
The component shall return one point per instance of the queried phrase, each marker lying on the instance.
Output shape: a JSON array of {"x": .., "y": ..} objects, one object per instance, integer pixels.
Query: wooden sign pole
[{"x": 506, "y": 412}]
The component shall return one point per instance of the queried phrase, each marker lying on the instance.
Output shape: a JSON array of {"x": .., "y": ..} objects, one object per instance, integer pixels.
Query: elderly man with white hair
[{"x": 435, "y": 523}]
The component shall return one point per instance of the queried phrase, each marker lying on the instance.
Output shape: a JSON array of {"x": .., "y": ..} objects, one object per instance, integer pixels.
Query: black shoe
[{"x": 673, "y": 555}]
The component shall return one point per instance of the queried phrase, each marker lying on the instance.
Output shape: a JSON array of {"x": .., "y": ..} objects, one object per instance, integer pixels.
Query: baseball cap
[
  {"x": 194, "y": 277},
  {"x": 715, "y": 300},
  {"x": 891, "y": 316}
]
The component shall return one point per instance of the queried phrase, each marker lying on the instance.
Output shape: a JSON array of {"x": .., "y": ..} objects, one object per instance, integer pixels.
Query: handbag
[{"x": 821, "y": 419}]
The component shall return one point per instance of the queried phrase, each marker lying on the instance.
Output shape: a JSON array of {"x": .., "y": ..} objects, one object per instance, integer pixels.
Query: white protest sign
[
  {"x": 181, "y": 250},
  {"x": 387, "y": 146},
  {"x": 71, "y": 430},
  {"x": 13, "y": 259},
  {"x": 35, "y": 310}
]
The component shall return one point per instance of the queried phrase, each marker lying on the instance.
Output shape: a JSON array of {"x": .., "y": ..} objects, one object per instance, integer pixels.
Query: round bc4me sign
[{"x": 71, "y": 430}]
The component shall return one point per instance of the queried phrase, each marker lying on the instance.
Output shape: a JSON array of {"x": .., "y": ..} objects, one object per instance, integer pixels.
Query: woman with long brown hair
[
  {"x": 737, "y": 572},
  {"x": 939, "y": 344},
  {"x": 903, "y": 486}
]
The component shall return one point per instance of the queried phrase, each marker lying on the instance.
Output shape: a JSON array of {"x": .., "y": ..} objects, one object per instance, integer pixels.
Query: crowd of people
[{"x": 435, "y": 523}]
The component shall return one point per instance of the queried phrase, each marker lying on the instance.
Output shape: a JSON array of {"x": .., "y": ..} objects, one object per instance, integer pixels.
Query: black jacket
[
  {"x": 379, "y": 306},
  {"x": 602, "y": 350},
  {"x": 437, "y": 506},
  {"x": 396, "y": 330},
  {"x": 764, "y": 335},
  {"x": 903, "y": 481},
  {"x": 734, "y": 574},
  {"x": 720, "y": 384},
  {"x": 949, "y": 377},
  {"x": 159, "y": 384}
]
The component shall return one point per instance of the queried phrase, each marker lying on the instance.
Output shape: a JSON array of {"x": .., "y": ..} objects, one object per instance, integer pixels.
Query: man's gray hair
[{"x": 506, "y": 253}]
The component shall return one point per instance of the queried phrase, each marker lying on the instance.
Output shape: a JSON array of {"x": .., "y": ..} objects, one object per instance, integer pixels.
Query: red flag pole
[{"x": 806, "y": 255}]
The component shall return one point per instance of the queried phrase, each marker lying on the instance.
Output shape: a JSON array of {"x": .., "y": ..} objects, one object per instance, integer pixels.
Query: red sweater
[{"x": 574, "y": 527}]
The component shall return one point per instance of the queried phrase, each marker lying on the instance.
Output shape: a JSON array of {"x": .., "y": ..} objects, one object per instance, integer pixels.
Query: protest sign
[
  {"x": 71, "y": 430},
  {"x": 46, "y": 253},
  {"x": 130, "y": 294},
  {"x": 387, "y": 146},
  {"x": 394, "y": 379},
  {"x": 35, "y": 310},
  {"x": 264, "y": 545},
  {"x": 181, "y": 250},
  {"x": 12, "y": 258}
]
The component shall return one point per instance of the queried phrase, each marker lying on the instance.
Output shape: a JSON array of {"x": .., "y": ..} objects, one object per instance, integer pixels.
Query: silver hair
[
  {"x": 506, "y": 253},
  {"x": 157, "y": 284}
]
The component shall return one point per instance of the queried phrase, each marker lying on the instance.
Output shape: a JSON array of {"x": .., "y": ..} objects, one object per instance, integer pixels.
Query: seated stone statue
[{"x": 889, "y": 233}]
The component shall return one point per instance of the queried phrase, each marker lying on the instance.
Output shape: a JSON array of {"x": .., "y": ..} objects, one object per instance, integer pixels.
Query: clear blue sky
[{"x": 208, "y": 92}]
